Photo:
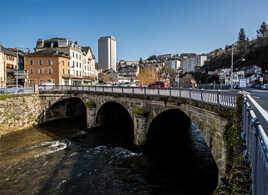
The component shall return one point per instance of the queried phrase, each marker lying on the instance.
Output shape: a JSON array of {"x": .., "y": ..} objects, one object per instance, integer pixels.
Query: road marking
[
  {"x": 260, "y": 91},
  {"x": 256, "y": 97}
]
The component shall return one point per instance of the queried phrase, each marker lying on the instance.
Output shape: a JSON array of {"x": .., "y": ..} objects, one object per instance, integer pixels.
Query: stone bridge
[{"x": 148, "y": 121}]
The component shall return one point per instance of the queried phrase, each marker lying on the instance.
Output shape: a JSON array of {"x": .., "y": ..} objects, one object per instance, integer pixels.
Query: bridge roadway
[{"x": 260, "y": 96}]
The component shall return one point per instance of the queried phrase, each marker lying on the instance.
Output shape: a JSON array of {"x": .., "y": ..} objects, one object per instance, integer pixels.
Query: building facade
[
  {"x": 82, "y": 60},
  {"x": 8, "y": 67},
  {"x": 190, "y": 63},
  {"x": 107, "y": 53},
  {"x": 174, "y": 64},
  {"x": 47, "y": 68}
]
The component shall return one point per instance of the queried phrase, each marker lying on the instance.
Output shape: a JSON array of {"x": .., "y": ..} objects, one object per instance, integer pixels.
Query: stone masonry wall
[{"x": 19, "y": 112}]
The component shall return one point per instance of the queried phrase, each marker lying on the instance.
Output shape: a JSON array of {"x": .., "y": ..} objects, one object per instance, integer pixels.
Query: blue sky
[{"x": 141, "y": 27}]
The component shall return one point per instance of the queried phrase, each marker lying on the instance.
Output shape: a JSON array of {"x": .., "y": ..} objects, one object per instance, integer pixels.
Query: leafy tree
[
  {"x": 242, "y": 42},
  {"x": 148, "y": 75},
  {"x": 141, "y": 61},
  {"x": 166, "y": 72},
  {"x": 263, "y": 30},
  {"x": 242, "y": 35}
]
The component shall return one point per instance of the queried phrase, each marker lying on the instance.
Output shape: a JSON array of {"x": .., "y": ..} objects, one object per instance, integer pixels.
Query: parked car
[
  {"x": 159, "y": 84},
  {"x": 14, "y": 89},
  {"x": 264, "y": 86}
]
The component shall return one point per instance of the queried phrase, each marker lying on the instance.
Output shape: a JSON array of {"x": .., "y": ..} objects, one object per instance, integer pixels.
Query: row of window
[
  {"x": 76, "y": 56},
  {"x": 42, "y": 71},
  {"x": 48, "y": 71},
  {"x": 10, "y": 58},
  {"x": 49, "y": 62},
  {"x": 32, "y": 82}
]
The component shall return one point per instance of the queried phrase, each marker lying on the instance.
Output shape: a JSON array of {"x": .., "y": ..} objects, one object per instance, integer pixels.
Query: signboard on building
[{"x": 242, "y": 83}]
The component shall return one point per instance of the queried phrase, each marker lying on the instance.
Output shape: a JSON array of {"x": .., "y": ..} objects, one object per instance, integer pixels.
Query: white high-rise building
[
  {"x": 191, "y": 62},
  {"x": 107, "y": 53}
]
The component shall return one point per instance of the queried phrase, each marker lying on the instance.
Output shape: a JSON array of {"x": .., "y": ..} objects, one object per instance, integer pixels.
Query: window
[
  {"x": 31, "y": 71},
  {"x": 49, "y": 62},
  {"x": 80, "y": 65},
  {"x": 40, "y": 62},
  {"x": 31, "y": 82},
  {"x": 76, "y": 55},
  {"x": 62, "y": 63},
  {"x": 68, "y": 72},
  {"x": 79, "y": 57},
  {"x": 40, "y": 71},
  {"x": 77, "y": 64},
  {"x": 41, "y": 82},
  {"x": 31, "y": 62},
  {"x": 62, "y": 71},
  {"x": 73, "y": 54},
  {"x": 49, "y": 71},
  {"x": 68, "y": 63}
]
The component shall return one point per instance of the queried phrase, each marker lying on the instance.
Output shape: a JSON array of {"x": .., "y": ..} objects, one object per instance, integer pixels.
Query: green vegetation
[
  {"x": 90, "y": 104},
  {"x": 139, "y": 111},
  {"x": 6, "y": 96},
  {"x": 238, "y": 172}
]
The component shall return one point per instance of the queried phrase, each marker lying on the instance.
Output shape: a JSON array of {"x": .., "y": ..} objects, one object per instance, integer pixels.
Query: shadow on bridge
[
  {"x": 176, "y": 153},
  {"x": 64, "y": 118}
]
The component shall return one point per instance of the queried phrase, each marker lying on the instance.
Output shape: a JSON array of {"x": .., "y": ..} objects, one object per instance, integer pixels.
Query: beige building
[{"x": 8, "y": 65}]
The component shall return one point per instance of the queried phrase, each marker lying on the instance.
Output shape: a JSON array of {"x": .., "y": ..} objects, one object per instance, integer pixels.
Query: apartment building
[
  {"x": 82, "y": 60},
  {"x": 47, "y": 67},
  {"x": 189, "y": 63}
]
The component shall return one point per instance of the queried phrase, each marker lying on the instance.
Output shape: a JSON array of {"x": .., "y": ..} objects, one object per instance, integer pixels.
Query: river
[{"x": 59, "y": 158}]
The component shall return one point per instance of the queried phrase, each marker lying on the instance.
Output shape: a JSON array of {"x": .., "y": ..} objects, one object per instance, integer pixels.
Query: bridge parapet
[
  {"x": 255, "y": 129},
  {"x": 220, "y": 98}
]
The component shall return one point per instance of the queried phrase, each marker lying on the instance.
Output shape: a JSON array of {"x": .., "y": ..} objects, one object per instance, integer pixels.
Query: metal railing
[
  {"x": 255, "y": 128},
  {"x": 216, "y": 97}
]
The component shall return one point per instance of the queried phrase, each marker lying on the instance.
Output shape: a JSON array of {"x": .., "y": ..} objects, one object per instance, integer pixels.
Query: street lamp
[{"x": 232, "y": 65}]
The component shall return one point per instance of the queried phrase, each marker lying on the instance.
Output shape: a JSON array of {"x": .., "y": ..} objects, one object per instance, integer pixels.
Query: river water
[{"x": 61, "y": 159}]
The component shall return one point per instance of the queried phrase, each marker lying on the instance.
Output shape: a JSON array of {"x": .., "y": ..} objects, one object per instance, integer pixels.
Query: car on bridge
[
  {"x": 159, "y": 84},
  {"x": 13, "y": 89}
]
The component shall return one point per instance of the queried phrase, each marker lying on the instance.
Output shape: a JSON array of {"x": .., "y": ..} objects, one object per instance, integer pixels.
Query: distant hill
[{"x": 255, "y": 52}]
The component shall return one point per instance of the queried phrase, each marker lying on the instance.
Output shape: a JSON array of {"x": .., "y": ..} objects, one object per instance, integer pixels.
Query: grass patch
[
  {"x": 91, "y": 105},
  {"x": 6, "y": 96},
  {"x": 139, "y": 111}
]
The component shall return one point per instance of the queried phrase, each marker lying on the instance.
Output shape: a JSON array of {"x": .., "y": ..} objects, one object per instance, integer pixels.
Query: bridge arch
[
  {"x": 117, "y": 122},
  {"x": 68, "y": 107},
  {"x": 177, "y": 145}
]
